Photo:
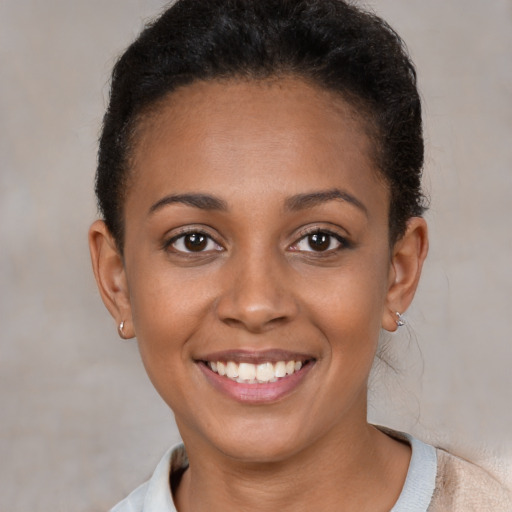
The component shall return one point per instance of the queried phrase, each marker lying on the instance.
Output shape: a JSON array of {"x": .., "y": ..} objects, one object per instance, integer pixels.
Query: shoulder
[
  {"x": 439, "y": 481},
  {"x": 466, "y": 487}
]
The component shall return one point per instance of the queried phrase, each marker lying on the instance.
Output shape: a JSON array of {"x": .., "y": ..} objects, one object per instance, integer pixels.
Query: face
[{"x": 256, "y": 245}]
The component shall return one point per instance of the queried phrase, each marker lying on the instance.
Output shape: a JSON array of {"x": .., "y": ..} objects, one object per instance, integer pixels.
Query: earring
[
  {"x": 400, "y": 321},
  {"x": 120, "y": 330}
]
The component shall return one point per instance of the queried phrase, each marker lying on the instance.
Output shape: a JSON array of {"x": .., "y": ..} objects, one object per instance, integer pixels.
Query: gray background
[{"x": 80, "y": 425}]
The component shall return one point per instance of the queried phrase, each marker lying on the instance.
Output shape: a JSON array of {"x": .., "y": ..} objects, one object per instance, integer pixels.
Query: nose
[{"x": 257, "y": 296}]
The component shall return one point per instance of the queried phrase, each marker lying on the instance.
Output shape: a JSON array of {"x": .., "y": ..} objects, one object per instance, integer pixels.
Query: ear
[
  {"x": 109, "y": 271},
  {"x": 407, "y": 259}
]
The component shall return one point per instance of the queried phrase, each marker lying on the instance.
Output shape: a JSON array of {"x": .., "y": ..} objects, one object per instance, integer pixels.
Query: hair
[{"x": 330, "y": 43}]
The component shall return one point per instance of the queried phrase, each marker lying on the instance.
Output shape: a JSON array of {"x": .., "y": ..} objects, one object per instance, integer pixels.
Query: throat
[{"x": 334, "y": 480}]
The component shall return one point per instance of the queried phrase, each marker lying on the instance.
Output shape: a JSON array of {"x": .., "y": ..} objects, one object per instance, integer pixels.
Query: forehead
[{"x": 219, "y": 135}]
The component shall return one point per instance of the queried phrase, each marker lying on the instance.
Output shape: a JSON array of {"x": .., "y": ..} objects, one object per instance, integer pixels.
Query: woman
[{"x": 259, "y": 180}]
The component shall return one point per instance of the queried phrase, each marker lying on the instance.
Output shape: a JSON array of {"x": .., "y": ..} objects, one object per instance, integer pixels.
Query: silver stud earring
[
  {"x": 400, "y": 321},
  {"x": 120, "y": 330}
]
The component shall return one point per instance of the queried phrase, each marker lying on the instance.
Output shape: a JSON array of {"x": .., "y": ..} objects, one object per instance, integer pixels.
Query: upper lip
[{"x": 255, "y": 356}]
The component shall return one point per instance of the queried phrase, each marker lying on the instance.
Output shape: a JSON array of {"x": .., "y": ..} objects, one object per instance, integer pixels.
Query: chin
[
  {"x": 261, "y": 442},
  {"x": 259, "y": 451}
]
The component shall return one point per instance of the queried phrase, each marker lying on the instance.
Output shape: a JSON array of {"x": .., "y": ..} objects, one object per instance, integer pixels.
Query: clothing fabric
[
  {"x": 436, "y": 481},
  {"x": 465, "y": 487}
]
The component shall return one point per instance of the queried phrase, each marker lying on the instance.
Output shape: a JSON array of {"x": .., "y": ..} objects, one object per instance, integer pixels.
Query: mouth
[{"x": 256, "y": 377}]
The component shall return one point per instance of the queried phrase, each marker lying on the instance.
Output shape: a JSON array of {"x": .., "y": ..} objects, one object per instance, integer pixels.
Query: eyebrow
[
  {"x": 304, "y": 201},
  {"x": 294, "y": 203},
  {"x": 201, "y": 201}
]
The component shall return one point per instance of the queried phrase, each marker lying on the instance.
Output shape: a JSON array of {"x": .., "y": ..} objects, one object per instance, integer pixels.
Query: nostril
[
  {"x": 253, "y": 298},
  {"x": 254, "y": 318},
  {"x": 255, "y": 323}
]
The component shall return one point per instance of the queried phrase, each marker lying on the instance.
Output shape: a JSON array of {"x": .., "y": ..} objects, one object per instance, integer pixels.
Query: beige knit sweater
[{"x": 464, "y": 487}]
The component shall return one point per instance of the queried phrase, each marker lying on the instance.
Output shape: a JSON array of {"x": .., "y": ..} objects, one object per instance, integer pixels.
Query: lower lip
[{"x": 256, "y": 393}]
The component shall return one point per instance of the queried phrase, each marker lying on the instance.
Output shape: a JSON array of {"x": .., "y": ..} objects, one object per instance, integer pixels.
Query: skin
[{"x": 259, "y": 285}]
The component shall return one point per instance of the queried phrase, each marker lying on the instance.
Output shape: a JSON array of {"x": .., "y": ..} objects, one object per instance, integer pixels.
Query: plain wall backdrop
[{"x": 80, "y": 424}]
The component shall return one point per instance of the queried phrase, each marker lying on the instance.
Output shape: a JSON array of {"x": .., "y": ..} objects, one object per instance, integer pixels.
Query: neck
[{"x": 360, "y": 469}]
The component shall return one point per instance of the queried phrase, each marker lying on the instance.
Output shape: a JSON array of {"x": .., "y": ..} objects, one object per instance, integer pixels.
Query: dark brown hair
[{"x": 330, "y": 43}]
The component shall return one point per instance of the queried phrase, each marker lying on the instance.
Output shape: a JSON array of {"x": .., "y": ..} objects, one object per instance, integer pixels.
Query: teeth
[
  {"x": 265, "y": 372},
  {"x": 232, "y": 370},
  {"x": 248, "y": 373},
  {"x": 279, "y": 369}
]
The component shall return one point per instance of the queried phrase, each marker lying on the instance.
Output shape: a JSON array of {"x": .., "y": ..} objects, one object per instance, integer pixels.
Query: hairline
[{"x": 360, "y": 108}]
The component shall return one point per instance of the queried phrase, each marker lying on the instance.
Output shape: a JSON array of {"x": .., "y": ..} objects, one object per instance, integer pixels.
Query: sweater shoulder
[{"x": 462, "y": 486}]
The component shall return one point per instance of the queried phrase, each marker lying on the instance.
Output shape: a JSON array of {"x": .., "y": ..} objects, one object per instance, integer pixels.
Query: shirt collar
[
  {"x": 416, "y": 494},
  {"x": 159, "y": 496}
]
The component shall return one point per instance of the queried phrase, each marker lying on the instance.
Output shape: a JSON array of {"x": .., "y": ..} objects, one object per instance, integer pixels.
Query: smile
[
  {"x": 256, "y": 377},
  {"x": 249, "y": 373}
]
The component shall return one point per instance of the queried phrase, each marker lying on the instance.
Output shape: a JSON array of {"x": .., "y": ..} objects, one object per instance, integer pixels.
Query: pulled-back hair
[{"x": 329, "y": 43}]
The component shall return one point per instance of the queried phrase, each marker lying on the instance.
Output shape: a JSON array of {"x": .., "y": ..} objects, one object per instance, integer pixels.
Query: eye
[
  {"x": 320, "y": 241},
  {"x": 193, "y": 241}
]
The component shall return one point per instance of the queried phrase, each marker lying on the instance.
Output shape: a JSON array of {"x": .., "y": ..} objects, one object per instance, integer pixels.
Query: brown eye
[
  {"x": 319, "y": 241},
  {"x": 195, "y": 242}
]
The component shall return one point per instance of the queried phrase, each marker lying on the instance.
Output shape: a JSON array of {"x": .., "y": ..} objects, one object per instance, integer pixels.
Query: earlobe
[
  {"x": 408, "y": 256},
  {"x": 110, "y": 275}
]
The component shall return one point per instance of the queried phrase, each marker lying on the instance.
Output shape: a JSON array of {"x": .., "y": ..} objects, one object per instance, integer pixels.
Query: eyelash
[
  {"x": 168, "y": 244},
  {"x": 343, "y": 242}
]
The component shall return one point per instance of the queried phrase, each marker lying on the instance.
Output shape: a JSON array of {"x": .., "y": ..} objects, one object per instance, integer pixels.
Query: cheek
[
  {"x": 349, "y": 318},
  {"x": 351, "y": 298},
  {"x": 347, "y": 308},
  {"x": 168, "y": 307},
  {"x": 164, "y": 296}
]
